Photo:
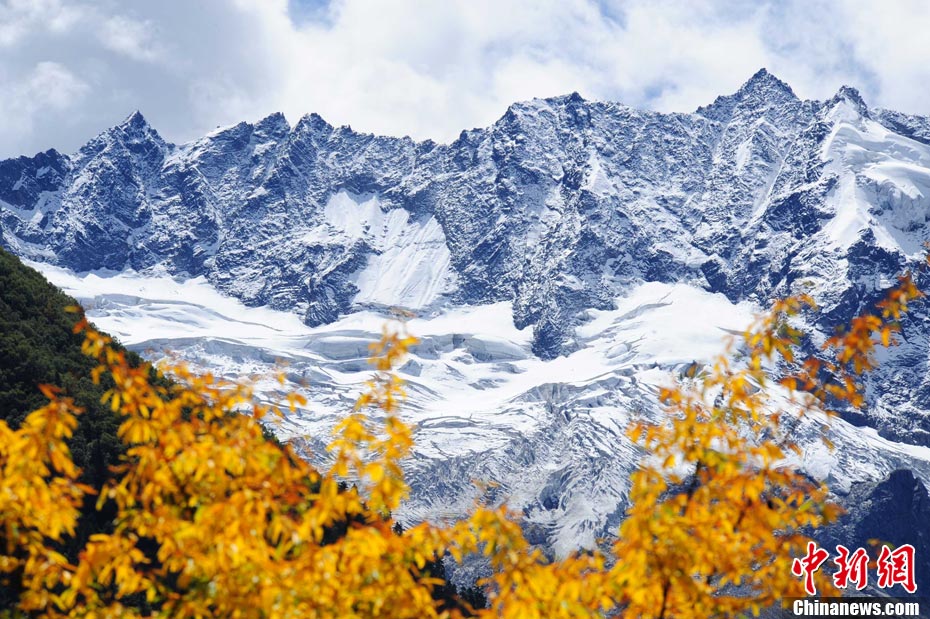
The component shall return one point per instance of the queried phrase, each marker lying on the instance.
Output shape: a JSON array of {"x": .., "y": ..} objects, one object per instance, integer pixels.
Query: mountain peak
[
  {"x": 763, "y": 80},
  {"x": 135, "y": 128},
  {"x": 314, "y": 123},
  {"x": 135, "y": 121},
  {"x": 762, "y": 88},
  {"x": 275, "y": 118},
  {"x": 133, "y": 133},
  {"x": 274, "y": 123},
  {"x": 571, "y": 103},
  {"x": 850, "y": 94},
  {"x": 849, "y": 97}
]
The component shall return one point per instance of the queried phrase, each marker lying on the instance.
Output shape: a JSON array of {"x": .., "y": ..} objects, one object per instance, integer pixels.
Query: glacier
[
  {"x": 558, "y": 266},
  {"x": 483, "y": 406}
]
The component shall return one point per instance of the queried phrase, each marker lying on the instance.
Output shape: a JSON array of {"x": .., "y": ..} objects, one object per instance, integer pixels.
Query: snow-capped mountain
[{"x": 561, "y": 263}]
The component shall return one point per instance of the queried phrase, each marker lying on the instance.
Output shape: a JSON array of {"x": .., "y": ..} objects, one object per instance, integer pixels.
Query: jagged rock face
[
  {"x": 558, "y": 207},
  {"x": 895, "y": 510}
]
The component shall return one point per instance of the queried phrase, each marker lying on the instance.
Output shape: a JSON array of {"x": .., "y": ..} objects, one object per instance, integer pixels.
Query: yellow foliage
[{"x": 213, "y": 520}]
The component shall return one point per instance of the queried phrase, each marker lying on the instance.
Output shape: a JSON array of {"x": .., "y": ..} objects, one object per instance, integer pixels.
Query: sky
[{"x": 427, "y": 68}]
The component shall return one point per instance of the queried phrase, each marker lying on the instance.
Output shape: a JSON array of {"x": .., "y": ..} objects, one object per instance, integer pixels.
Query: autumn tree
[{"x": 214, "y": 520}]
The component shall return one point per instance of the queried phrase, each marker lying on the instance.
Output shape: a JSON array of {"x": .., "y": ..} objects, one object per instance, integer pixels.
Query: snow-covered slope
[
  {"x": 561, "y": 263},
  {"x": 485, "y": 408}
]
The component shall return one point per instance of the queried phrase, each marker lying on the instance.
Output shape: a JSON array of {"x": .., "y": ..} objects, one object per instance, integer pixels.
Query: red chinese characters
[
  {"x": 895, "y": 567},
  {"x": 851, "y": 568},
  {"x": 809, "y": 564}
]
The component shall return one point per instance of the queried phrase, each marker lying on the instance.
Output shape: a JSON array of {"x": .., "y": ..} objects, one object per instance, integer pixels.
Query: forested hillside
[{"x": 37, "y": 346}]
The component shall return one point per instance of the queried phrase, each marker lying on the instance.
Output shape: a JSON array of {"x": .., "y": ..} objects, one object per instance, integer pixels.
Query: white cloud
[
  {"x": 27, "y": 100},
  {"x": 19, "y": 18},
  {"x": 890, "y": 38},
  {"x": 132, "y": 37},
  {"x": 51, "y": 85},
  {"x": 431, "y": 69}
]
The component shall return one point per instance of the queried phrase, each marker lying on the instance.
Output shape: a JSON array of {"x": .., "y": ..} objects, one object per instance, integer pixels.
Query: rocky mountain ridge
[
  {"x": 558, "y": 207},
  {"x": 572, "y": 242}
]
